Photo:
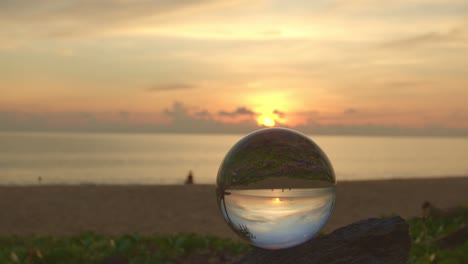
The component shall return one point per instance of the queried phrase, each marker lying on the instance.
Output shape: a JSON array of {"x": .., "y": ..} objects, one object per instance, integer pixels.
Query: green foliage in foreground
[
  {"x": 426, "y": 246},
  {"x": 181, "y": 248},
  {"x": 94, "y": 248}
]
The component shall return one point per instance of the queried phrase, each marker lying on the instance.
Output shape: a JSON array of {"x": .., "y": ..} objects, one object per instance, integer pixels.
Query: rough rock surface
[{"x": 375, "y": 240}]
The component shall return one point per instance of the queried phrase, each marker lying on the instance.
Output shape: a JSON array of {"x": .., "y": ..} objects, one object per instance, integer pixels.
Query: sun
[
  {"x": 276, "y": 200},
  {"x": 266, "y": 120}
]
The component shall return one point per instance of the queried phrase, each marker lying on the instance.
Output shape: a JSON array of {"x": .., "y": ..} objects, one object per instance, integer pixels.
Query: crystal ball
[{"x": 276, "y": 188}]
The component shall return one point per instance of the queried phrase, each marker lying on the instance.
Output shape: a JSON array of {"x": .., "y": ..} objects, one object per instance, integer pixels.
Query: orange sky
[{"x": 225, "y": 66}]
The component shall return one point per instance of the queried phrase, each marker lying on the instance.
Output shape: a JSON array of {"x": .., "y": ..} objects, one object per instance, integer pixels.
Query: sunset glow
[
  {"x": 266, "y": 120},
  {"x": 326, "y": 67}
]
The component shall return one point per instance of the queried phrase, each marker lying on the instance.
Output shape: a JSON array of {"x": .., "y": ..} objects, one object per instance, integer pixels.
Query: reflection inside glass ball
[{"x": 276, "y": 188}]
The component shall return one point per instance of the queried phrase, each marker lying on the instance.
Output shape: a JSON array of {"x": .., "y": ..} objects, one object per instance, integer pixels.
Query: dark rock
[{"x": 375, "y": 240}]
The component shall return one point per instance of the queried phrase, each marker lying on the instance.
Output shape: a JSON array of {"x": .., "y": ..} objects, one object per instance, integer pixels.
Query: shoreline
[
  {"x": 338, "y": 181},
  {"x": 121, "y": 209}
]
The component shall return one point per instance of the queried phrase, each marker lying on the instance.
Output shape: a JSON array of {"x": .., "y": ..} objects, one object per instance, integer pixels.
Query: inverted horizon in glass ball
[{"x": 276, "y": 188}]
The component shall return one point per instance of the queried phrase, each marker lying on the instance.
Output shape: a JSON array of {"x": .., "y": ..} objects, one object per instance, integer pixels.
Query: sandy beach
[{"x": 172, "y": 209}]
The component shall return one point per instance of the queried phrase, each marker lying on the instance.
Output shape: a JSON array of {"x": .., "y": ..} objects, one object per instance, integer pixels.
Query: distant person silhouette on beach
[{"x": 189, "y": 179}]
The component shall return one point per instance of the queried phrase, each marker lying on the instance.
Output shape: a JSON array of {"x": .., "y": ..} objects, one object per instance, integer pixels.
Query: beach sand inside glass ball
[{"x": 276, "y": 188}]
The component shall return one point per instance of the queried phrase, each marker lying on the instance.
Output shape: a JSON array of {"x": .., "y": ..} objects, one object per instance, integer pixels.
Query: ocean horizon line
[{"x": 308, "y": 133}]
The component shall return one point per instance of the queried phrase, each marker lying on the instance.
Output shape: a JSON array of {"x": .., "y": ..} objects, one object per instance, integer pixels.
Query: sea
[{"x": 33, "y": 158}]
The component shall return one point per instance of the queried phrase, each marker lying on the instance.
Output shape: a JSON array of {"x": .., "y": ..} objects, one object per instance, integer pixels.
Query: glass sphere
[{"x": 276, "y": 188}]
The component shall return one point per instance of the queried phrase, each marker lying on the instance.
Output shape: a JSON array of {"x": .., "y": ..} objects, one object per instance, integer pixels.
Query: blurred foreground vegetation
[
  {"x": 95, "y": 248},
  {"x": 439, "y": 240},
  {"x": 428, "y": 246}
]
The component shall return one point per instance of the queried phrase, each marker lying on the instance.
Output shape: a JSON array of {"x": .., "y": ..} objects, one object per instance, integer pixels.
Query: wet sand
[{"x": 173, "y": 209}]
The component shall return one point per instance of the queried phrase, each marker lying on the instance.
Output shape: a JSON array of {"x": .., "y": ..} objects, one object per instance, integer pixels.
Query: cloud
[
  {"x": 185, "y": 119},
  {"x": 172, "y": 87},
  {"x": 29, "y": 121},
  {"x": 406, "y": 84},
  {"x": 279, "y": 113},
  {"x": 454, "y": 35},
  {"x": 178, "y": 110},
  {"x": 177, "y": 118},
  {"x": 381, "y": 130},
  {"x": 68, "y": 18},
  {"x": 241, "y": 111},
  {"x": 350, "y": 111},
  {"x": 124, "y": 114},
  {"x": 203, "y": 114}
]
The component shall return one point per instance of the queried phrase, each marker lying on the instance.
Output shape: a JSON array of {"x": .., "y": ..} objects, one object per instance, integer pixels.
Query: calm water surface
[{"x": 66, "y": 158}]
